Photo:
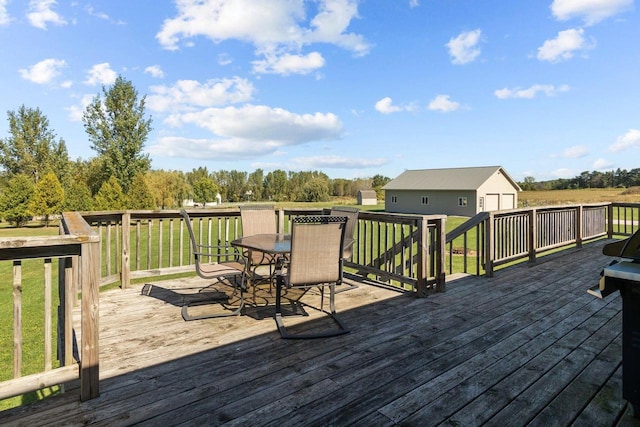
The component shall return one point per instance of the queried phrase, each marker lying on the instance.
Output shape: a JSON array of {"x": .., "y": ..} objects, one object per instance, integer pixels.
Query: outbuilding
[
  {"x": 452, "y": 191},
  {"x": 367, "y": 197}
]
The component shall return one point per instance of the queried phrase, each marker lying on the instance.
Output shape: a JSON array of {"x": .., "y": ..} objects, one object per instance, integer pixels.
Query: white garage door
[
  {"x": 493, "y": 202},
  {"x": 508, "y": 201}
]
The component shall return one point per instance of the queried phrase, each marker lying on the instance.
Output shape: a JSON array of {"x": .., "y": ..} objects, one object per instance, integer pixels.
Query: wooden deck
[{"x": 528, "y": 346}]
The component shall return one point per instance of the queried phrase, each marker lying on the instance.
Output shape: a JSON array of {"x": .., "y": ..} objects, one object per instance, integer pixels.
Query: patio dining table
[
  {"x": 273, "y": 244},
  {"x": 278, "y": 245}
]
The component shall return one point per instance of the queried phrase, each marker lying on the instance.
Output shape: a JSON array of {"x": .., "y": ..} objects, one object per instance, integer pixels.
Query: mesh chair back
[
  {"x": 316, "y": 250},
  {"x": 350, "y": 228},
  {"x": 192, "y": 236},
  {"x": 258, "y": 219}
]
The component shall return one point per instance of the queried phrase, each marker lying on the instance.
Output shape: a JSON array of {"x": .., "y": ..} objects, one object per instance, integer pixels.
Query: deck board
[{"x": 526, "y": 346}]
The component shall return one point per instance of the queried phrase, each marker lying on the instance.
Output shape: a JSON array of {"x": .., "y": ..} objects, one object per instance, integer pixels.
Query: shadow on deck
[{"x": 527, "y": 346}]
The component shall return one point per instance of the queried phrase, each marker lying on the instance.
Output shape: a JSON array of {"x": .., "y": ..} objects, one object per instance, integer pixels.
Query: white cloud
[
  {"x": 602, "y": 164},
  {"x": 464, "y": 48},
  {"x": 564, "y": 46},
  {"x": 225, "y": 59},
  {"x": 154, "y": 71},
  {"x": 187, "y": 95},
  {"x": 530, "y": 92},
  {"x": 443, "y": 103},
  {"x": 41, "y": 13},
  {"x": 414, "y": 3},
  {"x": 564, "y": 173},
  {"x": 270, "y": 25},
  {"x": 631, "y": 139},
  {"x": 289, "y": 64},
  {"x": 4, "y": 16},
  {"x": 44, "y": 71},
  {"x": 247, "y": 132},
  {"x": 575, "y": 152},
  {"x": 76, "y": 111},
  {"x": 101, "y": 74},
  {"x": 101, "y": 15},
  {"x": 320, "y": 162},
  {"x": 591, "y": 11},
  {"x": 385, "y": 106}
]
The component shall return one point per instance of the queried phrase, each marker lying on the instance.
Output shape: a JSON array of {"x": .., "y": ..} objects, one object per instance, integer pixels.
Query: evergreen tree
[
  {"x": 139, "y": 195},
  {"x": 78, "y": 197},
  {"x": 118, "y": 130},
  {"x": 15, "y": 200},
  {"x": 48, "y": 197},
  {"x": 110, "y": 196}
]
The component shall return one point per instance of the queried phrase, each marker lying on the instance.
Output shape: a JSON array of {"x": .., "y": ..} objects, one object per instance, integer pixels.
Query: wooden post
[
  {"x": 17, "y": 319},
  {"x": 48, "y": 326},
  {"x": 66, "y": 286},
  {"x": 280, "y": 220},
  {"x": 610, "y": 221},
  {"x": 423, "y": 257},
  {"x": 579, "y": 214},
  {"x": 89, "y": 365},
  {"x": 490, "y": 242},
  {"x": 125, "y": 273},
  {"x": 441, "y": 242},
  {"x": 533, "y": 235}
]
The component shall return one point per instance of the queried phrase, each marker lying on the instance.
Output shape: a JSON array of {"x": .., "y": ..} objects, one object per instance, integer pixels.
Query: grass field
[{"x": 565, "y": 197}]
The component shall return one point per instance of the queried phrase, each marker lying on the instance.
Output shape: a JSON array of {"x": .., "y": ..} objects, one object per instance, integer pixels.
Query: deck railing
[
  {"x": 406, "y": 251},
  {"x": 398, "y": 250},
  {"x": 492, "y": 239},
  {"x": 77, "y": 250}
]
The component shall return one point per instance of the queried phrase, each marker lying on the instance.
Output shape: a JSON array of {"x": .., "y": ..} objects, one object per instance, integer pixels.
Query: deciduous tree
[
  {"x": 118, "y": 130},
  {"x": 32, "y": 149},
  {"x": 204, "y": 190}
]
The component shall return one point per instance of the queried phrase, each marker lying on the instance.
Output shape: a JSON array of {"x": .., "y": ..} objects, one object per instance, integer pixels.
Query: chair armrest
[{"x": 226, "y": 251}]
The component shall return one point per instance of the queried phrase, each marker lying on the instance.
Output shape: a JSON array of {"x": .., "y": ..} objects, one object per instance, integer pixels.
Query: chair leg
[{"x": 341, "y": 327}]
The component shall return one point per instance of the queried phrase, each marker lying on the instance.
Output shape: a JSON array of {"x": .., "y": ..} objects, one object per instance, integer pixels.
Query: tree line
[
  {"x": 620, "y": 178},
  {"x": 37, "y": 177}
]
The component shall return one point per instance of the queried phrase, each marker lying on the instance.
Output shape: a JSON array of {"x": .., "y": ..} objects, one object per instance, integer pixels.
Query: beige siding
[
  {"x": 498, "y": 193},
  {"x": 439, "y": 202}
]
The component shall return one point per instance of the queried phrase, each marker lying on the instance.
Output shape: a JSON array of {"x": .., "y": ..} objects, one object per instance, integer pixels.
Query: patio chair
[
  {"x": 259, "y": 219},
  {"x": 314, "y": 261},
  {"x": 352, "y": 220},
  {"x": 226, "y": 265}
]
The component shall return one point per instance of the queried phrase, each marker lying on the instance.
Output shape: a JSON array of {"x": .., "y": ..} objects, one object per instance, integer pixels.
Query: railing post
[
  {"x": 280, "y": 220},
  {"x": 67, "y": 296},
  {"x": 533, "y": 235},
  {"x": 90, "y": 361},
  {"x": 17, "y": 319},
  {"x": 490, "y": 246},
  {"x": 125, "y": 268},
  {"x": 579, "y": 213},
  {"x": 441, "y": 246},
  {"x": 423, "y": 259},
  {"x": 610, "y": 221}
]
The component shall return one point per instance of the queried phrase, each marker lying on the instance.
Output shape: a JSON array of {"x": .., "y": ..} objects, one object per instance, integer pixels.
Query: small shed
[
  {"x": 452, "y": 191},
  {"x": 367, "y": 197}
]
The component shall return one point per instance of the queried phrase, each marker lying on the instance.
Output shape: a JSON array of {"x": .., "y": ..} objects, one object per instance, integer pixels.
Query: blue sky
[{"x": 353, "y": 88}]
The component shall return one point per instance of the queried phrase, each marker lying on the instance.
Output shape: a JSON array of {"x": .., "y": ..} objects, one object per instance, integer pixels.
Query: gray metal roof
[{"x": 446, "y": 179}]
